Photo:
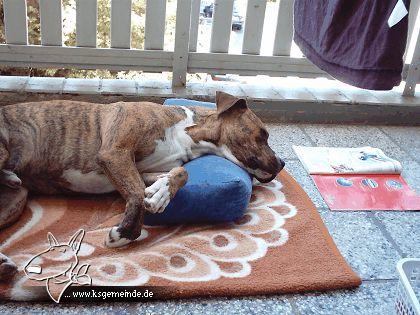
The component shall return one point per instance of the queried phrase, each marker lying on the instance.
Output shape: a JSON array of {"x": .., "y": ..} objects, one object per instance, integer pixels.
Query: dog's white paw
[
  {"x": 114, "y": 239},
  {"x": 157, "y": 195}
]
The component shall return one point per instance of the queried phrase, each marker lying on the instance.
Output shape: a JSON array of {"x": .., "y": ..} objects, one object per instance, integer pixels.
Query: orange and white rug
[{"x": 280, "y": 246}]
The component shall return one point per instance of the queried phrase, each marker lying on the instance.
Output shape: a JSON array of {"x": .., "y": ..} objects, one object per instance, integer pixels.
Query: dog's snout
[{"x": 281, "y": 163}]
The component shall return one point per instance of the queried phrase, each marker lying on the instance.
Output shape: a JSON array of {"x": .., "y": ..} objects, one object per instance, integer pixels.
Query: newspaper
[{"x": 364, "y": 160}]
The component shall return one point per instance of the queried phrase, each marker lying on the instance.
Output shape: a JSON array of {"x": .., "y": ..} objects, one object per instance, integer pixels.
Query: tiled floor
[{"x": 371, "y": 242}]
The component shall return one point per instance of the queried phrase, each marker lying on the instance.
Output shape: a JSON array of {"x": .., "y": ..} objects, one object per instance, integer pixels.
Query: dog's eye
[{"x": 63, "y": 250}]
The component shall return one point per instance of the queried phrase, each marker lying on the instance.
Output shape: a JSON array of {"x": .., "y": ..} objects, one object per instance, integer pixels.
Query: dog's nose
[{"x": 281, "y": 163}]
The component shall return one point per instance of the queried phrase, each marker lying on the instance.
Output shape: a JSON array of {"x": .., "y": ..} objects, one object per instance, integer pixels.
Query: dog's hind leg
[
  {"x": 12, "y": 204},
  {"x": 162, "y": 187},
  {"x": 7, "y": 177},
  {"x": 7, "y": 268},
  {"x": 13, "y": 197}
]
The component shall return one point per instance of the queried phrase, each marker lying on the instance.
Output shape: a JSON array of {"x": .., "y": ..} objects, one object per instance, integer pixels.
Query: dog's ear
[
  {"x": 227, "y": 103},
  {"x": 76, "y": 240},
  {"x": 52, "y": 240}
]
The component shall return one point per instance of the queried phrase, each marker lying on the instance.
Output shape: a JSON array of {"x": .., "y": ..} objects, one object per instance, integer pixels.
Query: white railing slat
[
  {"x": 15, "y": 22},
  {"x": 254, "y": 25},
  {"x": 195, "y": 19},
  {"x": 154, "y": 32},
  {"x": 120, "y": 23},
  {"x": 51, "y": 27},
  {"x": 182, "y": 40},
  {"x": 413, "y": 74},
  {"x": 222, "y": 25},
  {"x": 86, "y": 23},
  {"x": 412, "y": 17},
  {"x": 284, "y": 30}
]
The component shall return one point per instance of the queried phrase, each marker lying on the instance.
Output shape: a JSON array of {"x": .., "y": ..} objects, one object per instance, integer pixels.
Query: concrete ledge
[{"x": 274, "y": 100}]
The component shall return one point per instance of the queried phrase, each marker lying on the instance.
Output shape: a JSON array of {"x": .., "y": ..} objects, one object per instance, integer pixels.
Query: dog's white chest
[
  {"x": 90, "y": 183},
  {"x": 173, "y": 150}
]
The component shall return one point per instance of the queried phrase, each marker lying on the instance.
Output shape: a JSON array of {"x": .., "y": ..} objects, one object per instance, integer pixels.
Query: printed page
[{"x": 364, "y": 160}]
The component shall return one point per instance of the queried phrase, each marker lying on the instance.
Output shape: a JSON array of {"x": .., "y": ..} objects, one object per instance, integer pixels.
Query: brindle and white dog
[{"x": 135, "y": 148}]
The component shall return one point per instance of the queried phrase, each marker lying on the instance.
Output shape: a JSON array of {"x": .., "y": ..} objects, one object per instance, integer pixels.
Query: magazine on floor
[
  {"x": 364, "y": 160},
  {"x": 362, "y": 178}
]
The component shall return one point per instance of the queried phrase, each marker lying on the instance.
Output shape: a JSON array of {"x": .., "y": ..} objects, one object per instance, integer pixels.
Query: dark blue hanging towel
[{"x": 352, "y": 41}]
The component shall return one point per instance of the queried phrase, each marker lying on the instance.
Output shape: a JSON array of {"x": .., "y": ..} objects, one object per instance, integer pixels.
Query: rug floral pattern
[{"x": 178, "y": 254}]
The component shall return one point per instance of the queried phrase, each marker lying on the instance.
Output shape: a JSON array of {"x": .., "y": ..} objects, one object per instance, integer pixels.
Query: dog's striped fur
[{"x": 72, "y": 147}]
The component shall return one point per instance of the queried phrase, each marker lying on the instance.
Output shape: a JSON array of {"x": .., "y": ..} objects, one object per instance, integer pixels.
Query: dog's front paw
[
  {"x": 114, "y": 238},
  {"x": 7, "y": 268},
  {"x": 158, "y": 195}
]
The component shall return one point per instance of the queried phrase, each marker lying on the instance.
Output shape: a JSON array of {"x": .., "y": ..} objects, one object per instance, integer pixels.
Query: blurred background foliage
[{"x": 103, "y": 36}]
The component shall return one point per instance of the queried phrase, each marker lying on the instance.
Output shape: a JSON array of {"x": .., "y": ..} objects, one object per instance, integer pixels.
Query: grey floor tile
[
  {"x": 322, "y": 91},
  {"x": 283, "y": 136},
  {"x": 13, "y": 83},
  {"x": 260, "y": 91},
  {"x": 227, "y": 87},
  {"x": 296, "y": 169},
  {"x": 370, "y": 298},
  {"x": 354, "y": 136},
  {"x": 404, "y": 228},
  {"x": 411, "y": 173},
  {"x": 362, "y": 243},
  {"x": 73, "y": 308},
  {"x": 248, "y": 305},
  {"x": 120, "y": 86},
  {"x": 42, "y": 85},
  {"x": 252, "y": 305},
  {"x": 291, "y": 91},
  {"x": 406, "y": 137},
  {"x": 81, "y": 86}
]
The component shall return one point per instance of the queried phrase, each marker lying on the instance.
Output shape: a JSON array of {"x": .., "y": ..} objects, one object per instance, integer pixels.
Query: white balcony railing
[{"x": 183, "y": 58}]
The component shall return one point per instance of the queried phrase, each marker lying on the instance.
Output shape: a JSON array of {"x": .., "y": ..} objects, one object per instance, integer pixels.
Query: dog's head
[{"x": 243, "y": 135}]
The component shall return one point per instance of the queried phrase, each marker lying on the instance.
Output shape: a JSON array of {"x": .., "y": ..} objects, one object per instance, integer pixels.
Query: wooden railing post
[{"x": 182, "y": 39}]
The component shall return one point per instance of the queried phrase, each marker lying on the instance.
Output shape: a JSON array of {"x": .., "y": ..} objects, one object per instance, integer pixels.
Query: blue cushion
[
  {"x": 187, "y": 103},
  {"x": 217, "y": 190}
]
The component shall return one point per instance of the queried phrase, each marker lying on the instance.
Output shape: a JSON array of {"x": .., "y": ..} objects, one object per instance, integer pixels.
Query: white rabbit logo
[{"x": 61, "y": 278}]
